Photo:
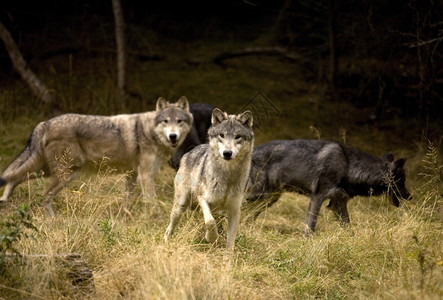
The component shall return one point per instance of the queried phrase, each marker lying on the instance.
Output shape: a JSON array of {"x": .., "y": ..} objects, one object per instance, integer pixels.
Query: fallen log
[
  {"x": 272, "y": 51},
  {"x": 72, "y": 264}
]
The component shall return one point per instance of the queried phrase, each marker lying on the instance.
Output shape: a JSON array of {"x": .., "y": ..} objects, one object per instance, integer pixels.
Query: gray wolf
[
  {"x": 136, "y": 143},
  {"x": 198, "y": 134},
  {"x": 323, "y": 170},
  {"x": 215, "y": 175}
]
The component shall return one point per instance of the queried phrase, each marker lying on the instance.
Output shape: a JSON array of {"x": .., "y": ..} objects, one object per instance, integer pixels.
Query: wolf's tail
[{"x": 28, "y": 161}]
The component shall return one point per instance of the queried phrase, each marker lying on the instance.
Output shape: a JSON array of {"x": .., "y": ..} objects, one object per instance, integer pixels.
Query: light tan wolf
[
  {"x": 136, "y": 143},
  {"x": 214, "y": 175}
]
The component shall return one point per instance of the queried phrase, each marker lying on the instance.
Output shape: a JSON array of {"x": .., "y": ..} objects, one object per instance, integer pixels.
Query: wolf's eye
[
  {"x": 221, "y": 135},
  {"x": 237, "y": 137},
  {"x": 165, "y": 121},
  {"x": 179, "y": 121}
]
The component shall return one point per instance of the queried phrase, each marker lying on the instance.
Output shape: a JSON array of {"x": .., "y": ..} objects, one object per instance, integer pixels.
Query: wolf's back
[{"x": 29, "y": 160}]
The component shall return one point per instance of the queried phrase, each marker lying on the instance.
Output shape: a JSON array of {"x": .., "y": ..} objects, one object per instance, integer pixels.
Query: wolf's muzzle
[
  {"x": 173, "y": 139},
  {"x": 227, "y": 154}
]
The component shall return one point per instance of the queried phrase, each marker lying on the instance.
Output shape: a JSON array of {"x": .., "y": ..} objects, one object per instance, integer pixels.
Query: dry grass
[{"x": 386, "y": 253}]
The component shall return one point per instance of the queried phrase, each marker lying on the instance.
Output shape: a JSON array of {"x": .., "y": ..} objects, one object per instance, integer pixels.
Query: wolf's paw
[
  {"x": 308, "y": 231},
  {"x": 168, "y": 234},
  {"x": 49, "y": 210},
  {"x": 211, "y": 231},
  {"x": 211, "y": 236}
]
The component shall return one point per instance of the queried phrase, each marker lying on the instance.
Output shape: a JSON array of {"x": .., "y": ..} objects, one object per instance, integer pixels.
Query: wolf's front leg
[
  {"x": 181, "y": 201},
  {"x": 147, "y": 183},
  {"x": 211, "y": 225},
  {"x": 146, "y": 174},
  {"x": 131, "y": 181},
  {"x": 233, "y": 222}
]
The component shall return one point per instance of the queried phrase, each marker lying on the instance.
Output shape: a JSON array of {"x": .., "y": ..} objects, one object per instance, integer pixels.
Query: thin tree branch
[{"x": 37, "y": 86}]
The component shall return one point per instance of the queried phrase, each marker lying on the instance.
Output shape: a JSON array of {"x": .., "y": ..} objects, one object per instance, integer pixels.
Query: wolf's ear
[
  {"x": 183, "y": 103},
  {"x": 245, "y": 118},
  {"x": 161, "y": 104},
  {"x": 399, "y": 163},
  {"x": 389, "y": 157},
  {"x": 218, "y": 116}
]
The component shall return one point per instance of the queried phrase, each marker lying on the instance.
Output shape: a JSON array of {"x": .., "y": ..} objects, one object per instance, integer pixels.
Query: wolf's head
[
  {"x": 231, "y": 135},
  {"x": 395, "y": 178},
  {"x": 173, "y": 121}
]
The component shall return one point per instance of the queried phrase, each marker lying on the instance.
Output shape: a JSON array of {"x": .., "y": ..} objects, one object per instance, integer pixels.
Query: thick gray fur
[
  {"x": 135, "y": 143},
  {"x": 215, "y": 175},
  {"x": 323, "y": 170}
]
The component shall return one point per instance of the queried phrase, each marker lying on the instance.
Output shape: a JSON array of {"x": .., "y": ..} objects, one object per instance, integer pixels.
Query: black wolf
[
  {"x": 323, "y": 170},
  {"x": 198, "y": 134}
]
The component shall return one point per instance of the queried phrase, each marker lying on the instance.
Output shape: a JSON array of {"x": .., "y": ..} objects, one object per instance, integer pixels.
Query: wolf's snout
[
  {"x": 173, "y": 139},
  {"x": 404, "y": 195},
  {"x": 227, "y": 154},
  {"x": 407, "y": 196}
]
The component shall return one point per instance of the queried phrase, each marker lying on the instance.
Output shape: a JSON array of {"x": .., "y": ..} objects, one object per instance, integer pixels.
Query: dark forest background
[{"x": 384, "y": 56}]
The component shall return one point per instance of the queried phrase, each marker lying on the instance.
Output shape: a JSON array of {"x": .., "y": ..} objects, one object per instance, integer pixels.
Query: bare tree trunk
[
  {"x": 37, "y": 86},
  {"x": 121, "y": 52},
  {"x": 333, "y": 63}
]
